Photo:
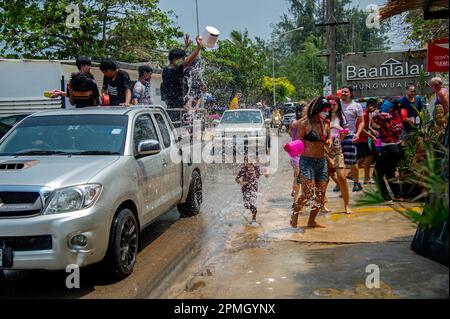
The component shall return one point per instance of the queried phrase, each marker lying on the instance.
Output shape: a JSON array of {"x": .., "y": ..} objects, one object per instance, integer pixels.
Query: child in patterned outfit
[{"x": 247, "y": 178}]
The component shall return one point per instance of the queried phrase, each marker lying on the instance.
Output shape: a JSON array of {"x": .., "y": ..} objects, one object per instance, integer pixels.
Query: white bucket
[{"x": 210, "y": 37}]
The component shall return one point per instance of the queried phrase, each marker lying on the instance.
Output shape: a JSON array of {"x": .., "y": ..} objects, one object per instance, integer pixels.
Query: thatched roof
[{"x": 394, "y": 7}]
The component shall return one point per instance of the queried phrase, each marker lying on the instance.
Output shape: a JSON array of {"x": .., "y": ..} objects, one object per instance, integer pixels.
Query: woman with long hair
[
  {"x": 338, "y": 124},
  {"x": 300, "y": 112},
  {"x": 314, "y": 131}
]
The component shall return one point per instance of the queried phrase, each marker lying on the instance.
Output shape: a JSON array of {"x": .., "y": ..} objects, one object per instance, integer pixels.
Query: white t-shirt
[
  {"x": 352, "y": 111},
  {"x": 143, "y": 92},
  {"x": 335, "y": 126}
]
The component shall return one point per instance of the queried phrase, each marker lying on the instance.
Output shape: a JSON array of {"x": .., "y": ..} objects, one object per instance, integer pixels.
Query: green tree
[
  {"x": 362, "y": 38},
  {"x": 283, "y": 88},
  {"x": 298, "y": 55},
  {"x": 236, "y": 65},
  {"x": 301, "y": 13},
  {"x": 127, "y": 30},
  {"x": 307, "y": 13},
  {"x": 305, "y": 69}
]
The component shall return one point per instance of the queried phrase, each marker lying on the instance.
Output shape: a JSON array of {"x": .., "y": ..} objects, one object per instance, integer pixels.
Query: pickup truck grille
[
  {"x": 19, "y": 204},
  {"x": 28, "y": 243},
  {"x": 18, "y": 197}
]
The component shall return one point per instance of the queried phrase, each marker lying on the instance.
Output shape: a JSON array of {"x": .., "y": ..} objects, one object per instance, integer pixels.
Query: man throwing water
[{"x": 172, "y": 77}]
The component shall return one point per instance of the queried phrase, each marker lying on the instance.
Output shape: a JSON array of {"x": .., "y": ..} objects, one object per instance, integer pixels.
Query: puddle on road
[
  {"x": 360, "y": 291},
  {"x": 246, "y": 240}
]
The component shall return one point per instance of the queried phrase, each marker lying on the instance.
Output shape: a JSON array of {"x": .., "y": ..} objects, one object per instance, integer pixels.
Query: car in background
[
  {"x": 6, "y": 123},
  {"x": 287, "y": 119},
  {"x": 288, "y": 107},
  {"x": 240, "y": 128}
]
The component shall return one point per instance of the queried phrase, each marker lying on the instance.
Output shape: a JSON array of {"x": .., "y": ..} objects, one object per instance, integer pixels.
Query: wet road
[
  {"x": 169, "y": 244},
  {"x": 275, "y": 261},
  {"x": 217, "y": 255},
  {"x": 94, "y": 283}
]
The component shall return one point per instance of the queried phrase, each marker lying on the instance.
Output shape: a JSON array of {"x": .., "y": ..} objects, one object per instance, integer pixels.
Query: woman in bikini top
[{"x": 315, "y": 132}]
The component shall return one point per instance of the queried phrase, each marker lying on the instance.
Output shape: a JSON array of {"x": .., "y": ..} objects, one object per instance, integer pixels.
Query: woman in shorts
[
  {"x": 314, "y": 131},
  {"x": 338, "y": 124}
]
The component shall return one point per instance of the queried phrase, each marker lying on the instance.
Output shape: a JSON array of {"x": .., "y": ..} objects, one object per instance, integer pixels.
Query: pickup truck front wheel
[
  {"x": 123, "y": 244},
  {"x": 194, "y": 198}
]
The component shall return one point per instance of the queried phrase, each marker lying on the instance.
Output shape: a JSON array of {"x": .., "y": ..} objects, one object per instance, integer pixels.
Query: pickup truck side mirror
[
  {"x": 148, "y": 147},
  {"x": 215, "y": 122},
  {"x": 267, "y": 121}
]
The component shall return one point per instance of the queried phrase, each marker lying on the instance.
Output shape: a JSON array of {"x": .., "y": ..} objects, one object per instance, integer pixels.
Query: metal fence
[{"x": 11, "y": 106}]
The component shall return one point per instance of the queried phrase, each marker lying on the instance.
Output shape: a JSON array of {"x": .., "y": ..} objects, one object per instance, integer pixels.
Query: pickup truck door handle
[{"x": 164, "y": 163}]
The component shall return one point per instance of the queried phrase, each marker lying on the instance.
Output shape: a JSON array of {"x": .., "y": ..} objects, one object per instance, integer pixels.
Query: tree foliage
[
  {"x": 298, "y": 54},
  {"x": 283, "y": 88},
  {"x": 308, "y": 13},
  {"x": 418, "y": 31},
  {"x": 127, "y": 30},
  {"x": 305, "y": 69},
  {"x": 236, "y": 65}
]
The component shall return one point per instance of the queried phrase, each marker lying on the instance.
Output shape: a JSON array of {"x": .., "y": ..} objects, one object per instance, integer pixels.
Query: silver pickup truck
[{"x": 77, "y": 187}]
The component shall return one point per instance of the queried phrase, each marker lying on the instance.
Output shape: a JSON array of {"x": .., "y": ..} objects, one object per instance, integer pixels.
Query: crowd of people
[
  {"x": 339, "y": 135},
  {"x": 182, "y": 86},
  {"x": 117, "y": 88}
]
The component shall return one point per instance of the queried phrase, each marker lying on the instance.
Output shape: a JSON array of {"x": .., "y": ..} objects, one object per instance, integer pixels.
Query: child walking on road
[{"x": 247, "y": 178}]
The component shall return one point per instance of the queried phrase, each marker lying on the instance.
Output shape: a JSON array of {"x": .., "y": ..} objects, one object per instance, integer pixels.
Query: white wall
[
  {"x": 156, "y": 84},
  {"x": 21, "y": 79},
  {"x": 24, "y": 79}
]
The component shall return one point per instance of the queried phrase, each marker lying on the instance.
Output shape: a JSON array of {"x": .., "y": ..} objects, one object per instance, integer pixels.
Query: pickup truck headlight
[{"x": 74, "y": 198}]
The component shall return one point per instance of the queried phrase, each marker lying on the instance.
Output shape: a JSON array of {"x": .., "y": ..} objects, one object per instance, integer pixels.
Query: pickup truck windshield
[
  {"x": 67, "y": 135},
  {"x": 243, "y": 117}
]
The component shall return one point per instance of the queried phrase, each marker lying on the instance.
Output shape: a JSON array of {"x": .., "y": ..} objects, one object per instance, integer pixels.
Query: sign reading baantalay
[{"x": 382, "y": 73}]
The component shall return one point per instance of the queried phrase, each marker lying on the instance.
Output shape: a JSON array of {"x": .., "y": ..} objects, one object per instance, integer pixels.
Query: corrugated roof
[{"x": 395, "y": 7}]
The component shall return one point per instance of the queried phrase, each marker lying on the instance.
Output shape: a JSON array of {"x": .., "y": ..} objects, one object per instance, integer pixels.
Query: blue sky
[{"x": 226, "y": 15}]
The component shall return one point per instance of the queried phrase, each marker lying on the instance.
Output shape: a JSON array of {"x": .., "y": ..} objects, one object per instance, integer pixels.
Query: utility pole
[
  {"x": 331, "y": 44},
  {"x": 330, "y": 26},
  {"x": 353, "y": 35},
  {"x": 273, "y": 76},
  {"x": 324, "y": 15}
]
